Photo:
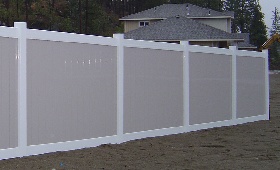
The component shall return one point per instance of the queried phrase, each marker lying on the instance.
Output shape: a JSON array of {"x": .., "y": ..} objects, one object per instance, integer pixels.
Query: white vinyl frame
[
  {"x": 69, "y": 37},
  {"x": 22, "y": 87},
  {"x": 186, "y": 87},
  {"x": 234, "y": 82},
  {"x": 120, "y": 85},
  {"x": 21, "y": 32}
]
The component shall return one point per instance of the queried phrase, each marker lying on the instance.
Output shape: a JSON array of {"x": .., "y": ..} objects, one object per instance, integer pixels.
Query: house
[
  {"x": 245, "y": 45},
  {"x": 182, "y": 22},
  {"x": 176, "y": 29}
]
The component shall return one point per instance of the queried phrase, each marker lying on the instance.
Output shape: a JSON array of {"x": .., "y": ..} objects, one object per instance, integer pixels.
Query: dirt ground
[{"x": 248, "y": 146}]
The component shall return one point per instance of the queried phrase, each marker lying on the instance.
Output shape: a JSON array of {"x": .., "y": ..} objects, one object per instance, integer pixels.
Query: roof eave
[
  {"x": 216, "y": 40},
  {"x": 204, "y": 17},
  {"x": 212, "y": 17},
  {"x": 141, "y": 19},
  {"x": 202, "y": 40},
  {"x": 247, "y": 47}
]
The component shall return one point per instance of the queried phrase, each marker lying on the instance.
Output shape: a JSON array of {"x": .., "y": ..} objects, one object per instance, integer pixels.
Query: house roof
[
  {"x": 246, "y": 43},
  {"x": 178, "y": 29},
  {"x": 170, "y": 10}
]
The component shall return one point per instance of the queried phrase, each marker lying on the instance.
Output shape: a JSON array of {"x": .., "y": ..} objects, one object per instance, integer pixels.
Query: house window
[{"x": 143, "y": 23}]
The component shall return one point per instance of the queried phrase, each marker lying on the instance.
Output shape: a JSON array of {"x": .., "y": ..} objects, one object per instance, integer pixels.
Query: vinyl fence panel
[
  {"x": 153, "y": 87},
  {"x": 8, "y": 93},
  {"x": 71, "y": 91},
  {"x": 210, "y": 88},
  {"x": 250, "y": 86}
]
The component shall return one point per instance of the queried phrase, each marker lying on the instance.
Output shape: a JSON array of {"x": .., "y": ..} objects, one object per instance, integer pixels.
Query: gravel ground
[{"x": 248, "y": 146}]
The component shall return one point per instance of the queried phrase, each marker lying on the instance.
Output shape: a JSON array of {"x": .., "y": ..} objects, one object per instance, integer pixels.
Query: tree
[
  {"x": 48, "y": 14},
  {"x": 10, "y": 12},
  {"x": 100, "y": 21},
  {"x": 274, "y": 53},
  {"x": 211, "y": 4},
  {"x": 257, "y": 28},
  {"x": 248, "y": 18},
  {"x": 275, "y": 22},
  {"x": 100, "y": 17},
  {"x": 242, "y": 13}
]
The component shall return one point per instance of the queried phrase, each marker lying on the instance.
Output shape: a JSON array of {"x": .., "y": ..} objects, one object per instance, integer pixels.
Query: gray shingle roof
[
  {"x": 179, "y": 28},
  {"x": 246, "y": 43},
  {"x": 170, "y": 10}
]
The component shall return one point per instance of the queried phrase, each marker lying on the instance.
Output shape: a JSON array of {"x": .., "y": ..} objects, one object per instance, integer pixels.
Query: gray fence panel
[
  {"x": 153, "y": 89},
  {"x": 210, "y": 88},
  {"x": 8, "y": 93},
  {"x": 250, "y": 86},
  {"x": 72, "y": 91}
]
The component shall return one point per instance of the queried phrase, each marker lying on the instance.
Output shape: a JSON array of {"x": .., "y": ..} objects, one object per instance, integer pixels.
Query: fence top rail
[
  {"x": 209, "y": 50},
  {"x": 244, "y": 53},
  {"x": 8, "y": 32},
  {"x": 34, "y": 34},
  {"x": 152, "y": 45}
]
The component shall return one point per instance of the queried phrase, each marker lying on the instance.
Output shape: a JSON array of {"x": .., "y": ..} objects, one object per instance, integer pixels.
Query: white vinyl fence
[{"x": 62, "y": 91}]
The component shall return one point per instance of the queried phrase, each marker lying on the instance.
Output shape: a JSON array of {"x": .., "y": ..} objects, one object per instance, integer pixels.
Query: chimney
[{"x": 187, "y": 8}]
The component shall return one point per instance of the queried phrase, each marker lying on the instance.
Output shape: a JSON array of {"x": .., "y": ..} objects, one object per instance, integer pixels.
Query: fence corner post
[
  {"x": 267, "y": 82},
  {"x": 234, "y": 83},
  {"x": 120, "y": 85},
  {"x": 186, "y": 85},
  {"x": 22, "y": 87}
]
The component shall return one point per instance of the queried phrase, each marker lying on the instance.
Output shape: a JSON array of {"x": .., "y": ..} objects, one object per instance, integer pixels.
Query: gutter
[
  {"x": 240, "y": 40},
  {"x": 140, "y": 19},
  {"x": 197, "y": 40},
  {"x": 205, "y": 17}
]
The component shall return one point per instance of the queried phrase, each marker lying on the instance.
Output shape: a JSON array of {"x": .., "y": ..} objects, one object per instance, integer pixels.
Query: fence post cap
[
  {"x": 184, "y": 42},
  {"x": 17, "y": 24},
  {"x": 118, "y": 35},
  {"x": 233, "y": 47}
]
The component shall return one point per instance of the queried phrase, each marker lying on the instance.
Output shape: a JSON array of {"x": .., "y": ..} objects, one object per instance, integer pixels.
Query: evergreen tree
[
  {"x": 257, "y": 29},
  {"x": 243, "y": 10},
  {"x": 100, "y": 21},
  {"x": 211, "y": 4},
  {"x": 275, "y": 22},
  {"x": 248, "y": 18},
  {"x": 100, "y": 17},
  {"x": 274, "y": 53}
]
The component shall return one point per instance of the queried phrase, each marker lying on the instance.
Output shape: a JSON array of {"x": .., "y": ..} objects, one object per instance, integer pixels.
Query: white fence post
[
  {"x": 266, "y": 83},
  {"x": 234, "y": 83},
  {"x": 120, "y": 84},
  {"x": 186, "y": 85},
  {"x": 22, "y": 89}
]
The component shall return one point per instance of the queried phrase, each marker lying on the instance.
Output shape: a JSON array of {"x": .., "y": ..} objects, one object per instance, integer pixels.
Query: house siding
[
  {"x": 132, "y": 25},
  {"x": 219, "y": 23},
  {"x": 229, "y": 25}
]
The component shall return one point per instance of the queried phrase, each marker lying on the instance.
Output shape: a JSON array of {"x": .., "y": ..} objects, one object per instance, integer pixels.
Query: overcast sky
[{"x": 267, "y": 7}]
